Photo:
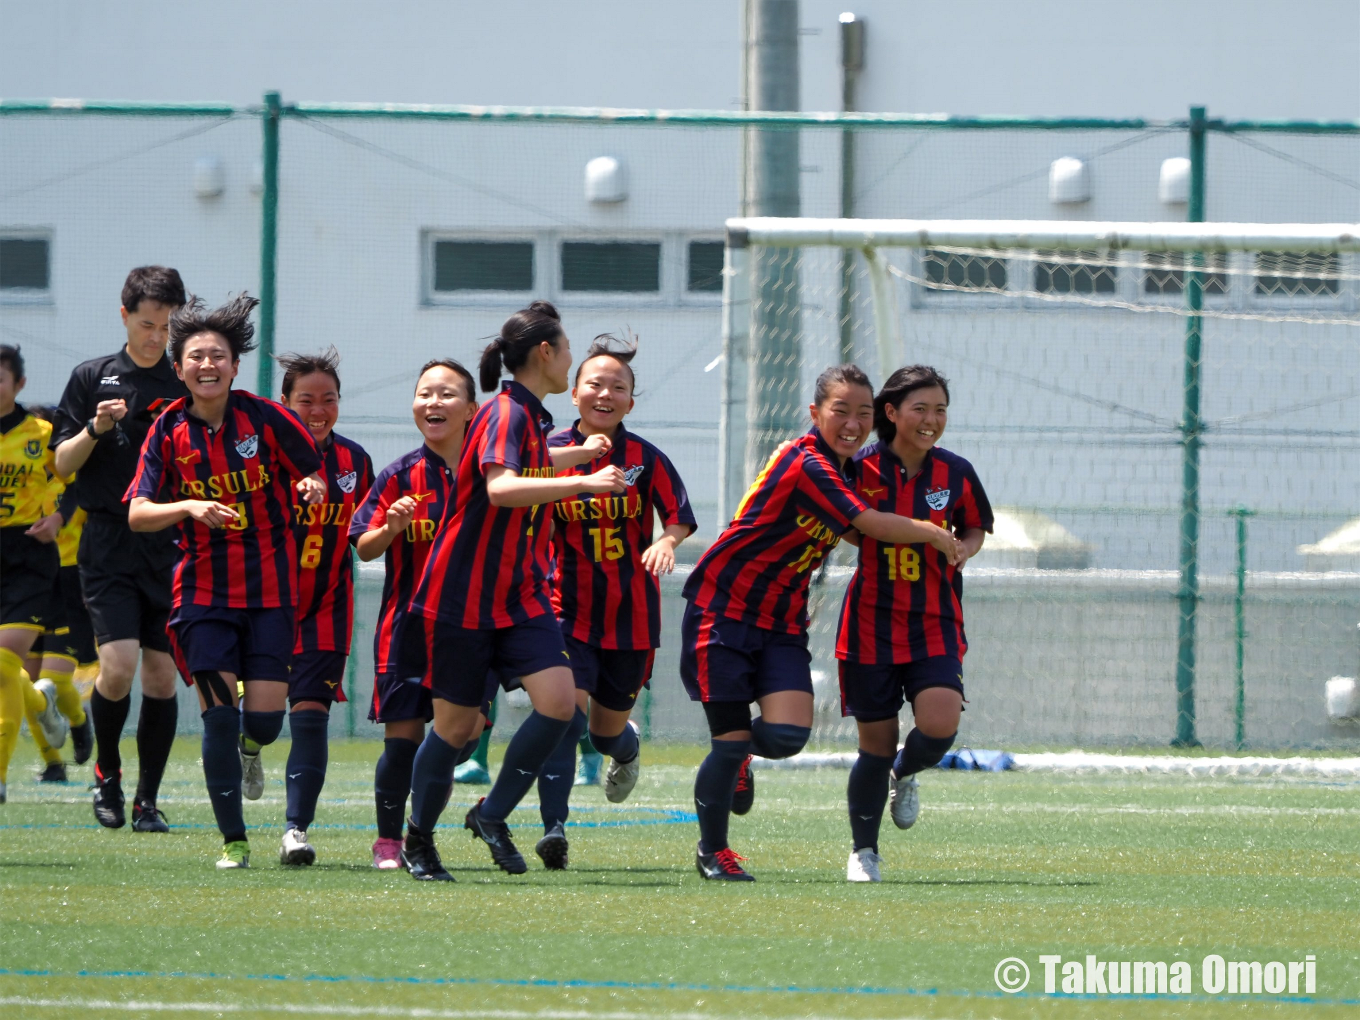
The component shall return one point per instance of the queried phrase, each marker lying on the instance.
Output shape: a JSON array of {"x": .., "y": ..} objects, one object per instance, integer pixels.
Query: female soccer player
[
  {"x": 485, "y": 591},
  {"x": 28, "y": 561},
  {"x": 901, "y": 629},
  {"x": 744, "y": 634},
  {"x": 325, "y": 594},
  {"x": 398, "y": 521},
  {"x": 220, "y": 464},
  {"x": 605, "y": 588}
]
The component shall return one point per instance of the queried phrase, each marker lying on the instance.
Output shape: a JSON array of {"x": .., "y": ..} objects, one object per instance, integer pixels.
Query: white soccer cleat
[
  {"x": 252, "y": 776},
  {"x": 863, "y": 866},
  {"x": 295, "y": 849},
  {"x": 50, "y": 720},
  {"x": 904, "y": 802},
  {"x": 623, "y": 776}
]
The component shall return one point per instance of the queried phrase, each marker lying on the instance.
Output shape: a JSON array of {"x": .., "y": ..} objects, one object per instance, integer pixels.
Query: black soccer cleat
[
  {"x": 723, "y": 866},
  {"x": 55, "y": 772},
  {"x": 82, "y": 740},
  {"x": 553, "y": 849},
  {"x": 146, "y": 817},
  {"x": 496, "y": 835},
  {"x": 421, "y": 859},
  {"x": 108, "y": 800},
  {"x": 744, "y": 794}
]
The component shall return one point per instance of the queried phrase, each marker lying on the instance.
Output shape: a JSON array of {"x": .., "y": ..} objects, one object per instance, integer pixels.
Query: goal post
[{"x": 1086, "y": 352}]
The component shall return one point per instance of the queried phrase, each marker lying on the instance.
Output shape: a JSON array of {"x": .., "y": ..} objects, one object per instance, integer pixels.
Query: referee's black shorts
[
  {"x": 126, "y": 578},
  {"x": 29, "y": 572}
]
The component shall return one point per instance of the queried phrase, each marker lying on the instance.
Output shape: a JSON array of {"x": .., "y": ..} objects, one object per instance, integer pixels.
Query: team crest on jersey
[
  {"x": 937, "y": 499},
  {"x": 250, "y": 445},
  {"x": 346, "y": 481},
  {"x": 33, "y": 449},
  {"x": 632, "y": 474}
]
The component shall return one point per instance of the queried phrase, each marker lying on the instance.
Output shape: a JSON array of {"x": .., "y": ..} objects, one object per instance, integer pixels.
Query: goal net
[{"x": 1164, "y": 416}]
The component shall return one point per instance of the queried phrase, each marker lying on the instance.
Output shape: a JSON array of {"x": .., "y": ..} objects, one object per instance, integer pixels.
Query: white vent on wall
[
  {"x": 209, "y": 180},
  {"x": 605, "y": 180},
  {"x": 1173, "y": 183},
  {"x": 1069, "y": 181}
]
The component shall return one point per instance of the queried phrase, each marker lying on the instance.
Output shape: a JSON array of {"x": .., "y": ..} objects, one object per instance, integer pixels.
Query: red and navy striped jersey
[
  {"x": 422, "y": 475},
  {"x": 904, "y": 602},
  {"x": 602, "y": 593},
  {"x": 325, "y": 560},
  {"x": 792, "y": 515},
  {"x": 489, "y": 566},
  {"x": 249, "y": 464}
]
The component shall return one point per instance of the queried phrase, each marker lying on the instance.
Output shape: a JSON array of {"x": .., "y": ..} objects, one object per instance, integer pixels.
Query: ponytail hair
[{"x": 522, "y": 332}]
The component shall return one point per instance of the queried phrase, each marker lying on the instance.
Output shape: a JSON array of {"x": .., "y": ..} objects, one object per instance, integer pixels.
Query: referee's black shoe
[
  {"x": 744, "y": 794},
  {"x": 82, "y": 740},
  {"x": 421, "y": 859},
  {"x": 55, "y": 772},
  {"x": 108, "y": 800},
  {"x": 146, "y": 817},
  {"x": 495, "y": 835}
]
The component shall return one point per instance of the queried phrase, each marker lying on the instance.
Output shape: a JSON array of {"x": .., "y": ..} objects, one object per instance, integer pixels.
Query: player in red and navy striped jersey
[
  {"x": 325, "y": 610},
  {"x": 220, "y": 466},
  {"x": 744, "y": 634},
  {"x": 605, "y": 588},
  {"x": 485, "y": 590},
  {"x": 901, "y": 633},
  {"x": 397, "y": 521}
]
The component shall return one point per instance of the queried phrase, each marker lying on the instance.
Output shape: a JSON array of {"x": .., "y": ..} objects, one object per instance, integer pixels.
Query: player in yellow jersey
[{"x": 28, "y": 562}]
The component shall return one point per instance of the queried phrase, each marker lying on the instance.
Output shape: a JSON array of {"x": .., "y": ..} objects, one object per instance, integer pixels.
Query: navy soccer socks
[
  {"x": 222, "y": 770},
  {"x": 431, "y": 781},
  {"x": 866, "y": 795},
  {"x": 777, "y": 740},
  {"x": 156, "y": 727},
  {"x": 558, "y": 774},
  {"x": 392, "y": 785},
  {"x": 306, "y": 771},
  {"x": 260, "y": 729},
  {"x": 622, "y": 748},
  {"x": 713, "y": 788},
  {"x": 531, "y": 746},
  {"x": 920, "y": 752}
]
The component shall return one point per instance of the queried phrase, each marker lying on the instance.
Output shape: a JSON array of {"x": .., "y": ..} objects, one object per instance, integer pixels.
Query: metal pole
[
  {"x": 269, "y": 213},
  {"x": 1240, "y": 622},
  {"x": 852, "y": 63},
  {"x": 1191, "y": 427},
  {"x": 736, "y": 336},
  {"x": 775, "y": 372}
]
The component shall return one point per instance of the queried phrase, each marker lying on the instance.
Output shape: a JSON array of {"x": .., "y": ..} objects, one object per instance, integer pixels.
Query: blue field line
[{"x": 671, "y": 986}]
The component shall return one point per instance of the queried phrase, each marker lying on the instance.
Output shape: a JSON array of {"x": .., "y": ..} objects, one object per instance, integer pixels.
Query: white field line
[
  {"x": 417, "y": 1013},
  {"x": 1127, "y": 764}
]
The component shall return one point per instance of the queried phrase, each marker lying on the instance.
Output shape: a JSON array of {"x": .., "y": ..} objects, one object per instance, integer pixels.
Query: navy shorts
[
  {"x": 317, "y": 676},
  {"x": 727, "y": 660},
  {"x": 396, "y": 699},
  {"x": 253, "y": 644},
  {"x": 879, "y": 692},
  {"x": 611, "y": 676},
  {"x": 463, "y": 663}
]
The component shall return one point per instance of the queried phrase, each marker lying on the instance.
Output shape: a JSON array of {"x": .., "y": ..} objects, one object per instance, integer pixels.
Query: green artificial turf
[{"x": 94, "y": 922}]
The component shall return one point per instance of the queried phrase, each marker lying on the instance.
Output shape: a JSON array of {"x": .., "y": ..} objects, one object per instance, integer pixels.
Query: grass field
[{"x": 1000, "y": 865}]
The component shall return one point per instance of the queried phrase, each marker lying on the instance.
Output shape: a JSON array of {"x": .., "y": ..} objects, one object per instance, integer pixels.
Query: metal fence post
[
  {"x": 269, "y": 213},
  {"x": 1191, "y": 426},
  {"x": 1240, "y": 627}
]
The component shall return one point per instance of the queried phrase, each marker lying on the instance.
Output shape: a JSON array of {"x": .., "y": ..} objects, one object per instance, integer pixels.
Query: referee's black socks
[
  {"x": 108, "y": 717},
  {"x": 155, "y": 736}
]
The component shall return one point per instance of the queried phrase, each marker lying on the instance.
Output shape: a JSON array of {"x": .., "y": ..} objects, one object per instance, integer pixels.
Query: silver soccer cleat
[
  {"x": 50, "y": 720},
  {"x": 863, "y": 866},
  {"x": 252, "y": 776},
  {"x": 904, "y": 802},
  {"x": 295, "y": 849},
  {"x": 623, "y": 776}
]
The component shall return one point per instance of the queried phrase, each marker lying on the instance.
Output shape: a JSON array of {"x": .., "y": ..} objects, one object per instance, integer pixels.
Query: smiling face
[
  {"x": 603, "y": 393},
  {"x": 442, "y": 406},
  {"x": 207, "y": 366},
  {"x": 845, "y": 417},
  {"x": 920, "y": 418},
  {"x": 148, "y": 331},
  {"x": 316, "y": 399}
]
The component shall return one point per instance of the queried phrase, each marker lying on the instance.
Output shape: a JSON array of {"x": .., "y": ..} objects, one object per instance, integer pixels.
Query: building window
[
  {"x": 611, "y": 266},
  {"x": 23, "y": 263},
  {"x": 706, "y": 266},
  {"x": 1297, "y": 274},
  {"x": 1164, "y": 272},
  {"x": 483, "y": 265},
  {"x": 953, "y": 271},
  {"x": 1074, "y": 272}
]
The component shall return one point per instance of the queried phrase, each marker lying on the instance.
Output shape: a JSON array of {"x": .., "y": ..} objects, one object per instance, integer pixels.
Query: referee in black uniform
[{"x": 97, "y": 431}]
